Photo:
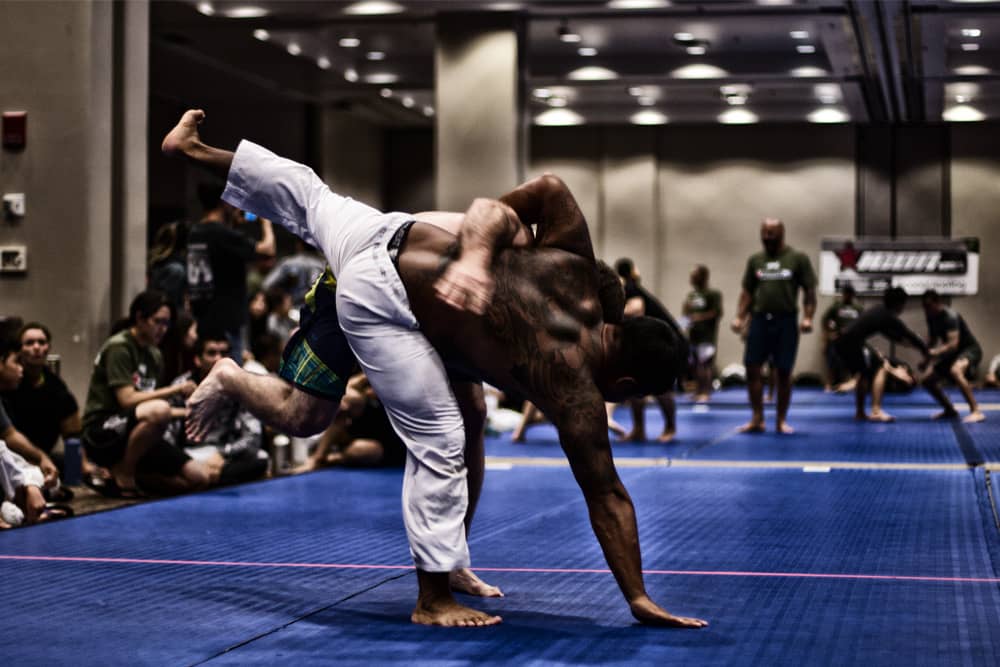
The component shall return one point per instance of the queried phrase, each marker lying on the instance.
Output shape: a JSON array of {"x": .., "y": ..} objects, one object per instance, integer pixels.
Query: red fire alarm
[{"x": 15, "y": 129}]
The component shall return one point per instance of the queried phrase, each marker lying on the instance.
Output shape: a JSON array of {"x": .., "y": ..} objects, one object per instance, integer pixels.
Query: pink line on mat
[{"x": 536, "y": 570}]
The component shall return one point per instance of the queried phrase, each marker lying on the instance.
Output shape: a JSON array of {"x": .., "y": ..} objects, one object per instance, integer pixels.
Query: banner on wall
[{"x": 950, "y": 266}]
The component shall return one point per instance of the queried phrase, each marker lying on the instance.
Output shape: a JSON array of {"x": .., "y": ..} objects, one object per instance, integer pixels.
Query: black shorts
[
  {"x": 973, "y": 353},
  {"x": 317, "y": 358},
  {"x": 862, "y": 359},
  {"x": 773, "y": 337},
  {"x": 106, "y": 441}
]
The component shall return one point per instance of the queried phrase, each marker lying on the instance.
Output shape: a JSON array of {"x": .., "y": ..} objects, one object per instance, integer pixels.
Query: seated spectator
[
  {"x": 279, "y": 319},
  {"x": 296, "y": 273},
  {"x": 266, "y": 360},
  {"x": 11, "y": 374},
  {"x": 990, "y": 379},
  {"x": 126, "y": 414},
  {"x": 233, "y": 446},
  {"x": 23, "y": 501},
  {"x": 42, "y": 407}
]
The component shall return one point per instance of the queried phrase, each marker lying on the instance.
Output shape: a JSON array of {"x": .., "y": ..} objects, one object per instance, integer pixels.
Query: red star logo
[{"x": 848, "y": 256}]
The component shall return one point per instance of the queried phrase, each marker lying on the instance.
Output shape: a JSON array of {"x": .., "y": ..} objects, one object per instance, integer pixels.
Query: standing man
[
  {"x": 218, "y": 254},
  {"x": 703, "y": 308},
  {"x": 841, "y": 314},
  {"x": 957, "y": 352},
  {"x": 770, "y": 289}
]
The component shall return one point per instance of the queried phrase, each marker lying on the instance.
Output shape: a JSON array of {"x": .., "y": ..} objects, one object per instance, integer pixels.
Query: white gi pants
[{"x": 374, "y": 312}]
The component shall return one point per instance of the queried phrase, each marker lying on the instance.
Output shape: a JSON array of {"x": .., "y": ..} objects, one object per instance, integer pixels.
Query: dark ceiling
[{"x": 639, "y": 61}]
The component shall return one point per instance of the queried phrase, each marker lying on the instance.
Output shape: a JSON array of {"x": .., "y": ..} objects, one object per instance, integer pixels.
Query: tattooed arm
[{"x": 547, "y": 202}]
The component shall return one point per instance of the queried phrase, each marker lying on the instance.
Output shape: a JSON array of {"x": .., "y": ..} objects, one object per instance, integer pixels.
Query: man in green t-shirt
[
  {"x": 770, "y": 289},
  {"x": 703, "y": 308}
]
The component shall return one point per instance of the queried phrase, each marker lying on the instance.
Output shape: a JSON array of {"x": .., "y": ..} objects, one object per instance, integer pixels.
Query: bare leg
[
  {"x": 153, "y": 417},
  {"x": 437, "y": 606},
  {"x": 878, "y": 391},
  {"x": 669, "y": 408},
  {"x": 784, "y": 400},
  {"x": 958, "y": 370},
  {"x": 703, "y": 376},
  {"x": 272, "y": 400},
  {"x": 755, "y": 391},
  {"x": 613, "y": 426},
  {"x": 529, "y": 415},
  {"x": 934, "y": 389},
  {"x": 860, "y": 394},
  {"x": 638, "y": 432},
  {"x": 183, "y": 141}
]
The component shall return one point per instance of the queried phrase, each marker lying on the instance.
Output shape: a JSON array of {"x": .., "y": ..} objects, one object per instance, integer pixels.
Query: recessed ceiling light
[
  {"x": 970, "y": 46},
  {"x": 385, "y": 92},
  {"x": 428, "y": 111},
  {"x": 407, "y": 101},
  {"x": 504, "y": 6},
  {"x": 261, "y": 34},
  {"x": 294, "y": 48},
  {"x": 205, "y": 8},
  {"x": 542, "y": 93},
  {"x": 245, "y": 12},
  {"x": 382, "y": 78},
  {"x": 808, "y": 72},
  {"x": 375, "y": 55},
  {"x": 696, "y": 50},
  {"x": 648, "y": 117},
  {"x": 699, "y": 71},
  {"x": 972, "y": 70},
  {"x": 637, "y": 4},
  {"x": 799, "y": 34},
  {"x": 570, "y": 38},
  {"x": 683, "y": 37},
  {"x": 557, "y": 102},
  {"x": 738, "y": 117},
  {"x": 962, "y": 99},
  {"x": 736, "y": 100},
  {"x": 349, "y": 42},
  {"x": 351, "y": 74},
  {"x": 637, "y": 91},
  {"x": 556, "y": 117},
  {"x": 805, "y": 48},
  {"x": 372, "y": 7},
  {"x": 963, "y": 113},
  {"x": 971, "y": 32},
  {"x": 646, "y": 101},
  {"x": 828, "y": 115},
  {"x": 592, "y": 74},
  {"x": 323, "y": 62},
  {"x": 587, "y": 51}
]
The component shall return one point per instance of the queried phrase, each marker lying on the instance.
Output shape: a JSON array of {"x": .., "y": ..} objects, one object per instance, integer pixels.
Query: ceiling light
[
  {"x": 828, "y": 115},
  {"x": 808, "y": 71},
  {"x": 971, "y": 32},
  {"x": 205, "y": 8},
  {"x": 736, "y": 94},
  {"x": 557, "y": 117},
  {"x": 738, "y": 117},
  {"x": 799, "y": 34},
  {"x": 428, "y": 111},
  {"x": 637, "y": 4},
  {"x": 504, "y": 6},
  {"x": 805, "y": 48},
  {"x": 542, "y": 93},
  {"x": 323, "y": 62},
  {"x": 648, "y": 117},
  {"x": 587, "y": 51},
  {"x": 592, "y": 74},
  {"x": 349, "y": 42},
  {"x": 351, "y": 74},
  {"x": 375, "y": 55},
  {"x": 372, "y": 7},
  {"x": 963, "y": 88},
  {"x": 381, "y": 78},
  {"x": 294, "y": 48},
  {"x": 683, "y": 37},
  {"x": 963, "y": 113},
  {"x": 972, "y": 70},
  {"x": 736, "y": 100},
  {"x": 408, "y": 102},
  {"x": 566, "y": 35},
  {"x": 385, "y": 92},
  {"x": 699, "y": 71},
  {"x": 827, "y": 93},
  {"x": 557, "y": 102},
  {"x": 646, "y": 101},
  {"x": 245, "y": 12},
  {"x": 962, "y": 99},
  {"x": 637, "y": 91},
  {"x": 261, "y": 34},
  {"x": 696, "y": 50},
  {"x": 971, "y": 46}
]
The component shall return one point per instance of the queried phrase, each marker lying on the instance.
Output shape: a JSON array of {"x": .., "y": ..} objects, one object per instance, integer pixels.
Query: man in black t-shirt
[
  {"x": 957, "y": 353},
  {"x": 217, "y": 259}
]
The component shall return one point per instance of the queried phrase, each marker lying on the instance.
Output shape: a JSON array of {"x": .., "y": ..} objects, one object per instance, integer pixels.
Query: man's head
[
  {"x": 772, "y": 235},
  {"x": 211, "y": 347},
  {"x": 652, "y": 355},
  {"x": 266, "y": 349},
  {"x": 11, "y": 371},
  {"x": 699, "y": 277},
  {"x": 931, "y": 301},
  {"x": 34, "y": 339},
  {"x": 894, "y": 299},
  {"x": 149, "y": 315},
  {"x": 626, "y": 269}
]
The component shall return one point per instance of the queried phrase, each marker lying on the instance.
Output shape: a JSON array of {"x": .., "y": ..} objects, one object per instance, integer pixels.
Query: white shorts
[{"x": 374, "y": 312}]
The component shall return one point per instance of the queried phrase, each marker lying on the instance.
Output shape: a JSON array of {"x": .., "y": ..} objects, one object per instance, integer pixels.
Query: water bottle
[
  {"x": 72, "y": 462},
  {"x": 281, "y": 458}
]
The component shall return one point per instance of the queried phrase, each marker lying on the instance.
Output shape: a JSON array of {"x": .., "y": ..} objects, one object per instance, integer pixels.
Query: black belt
[{"x": 396, "y": 242}]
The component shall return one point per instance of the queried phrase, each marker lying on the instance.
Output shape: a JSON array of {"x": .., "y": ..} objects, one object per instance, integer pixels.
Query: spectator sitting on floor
[
  {"x": 279, "y": 319},
  {"x": 232, "y": 448},
  {"x": 266, "y": 357},
  {"x": 126, "y": 414},
  {"x": 42, "y": 407},
  {"x": 296, "y": 273},
  {"x": 990, "y": 379},
  {"x": 11, "y": 374}
]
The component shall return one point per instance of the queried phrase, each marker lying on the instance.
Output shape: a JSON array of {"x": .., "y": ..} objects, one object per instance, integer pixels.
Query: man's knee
[
  {"x": 197, "y": 475},
  {"x": 155, "y": 412},
  {"x": 958, "y": 370}
]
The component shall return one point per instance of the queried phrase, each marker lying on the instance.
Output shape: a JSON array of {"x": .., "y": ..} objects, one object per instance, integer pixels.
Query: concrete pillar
[{"x": 479, "y": 136}]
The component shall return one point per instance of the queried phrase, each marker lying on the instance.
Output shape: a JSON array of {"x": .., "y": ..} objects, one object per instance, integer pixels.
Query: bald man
[{"x": 768, "y": 300}]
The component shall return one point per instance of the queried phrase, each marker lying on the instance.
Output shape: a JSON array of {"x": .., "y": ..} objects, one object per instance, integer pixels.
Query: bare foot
[
  {"x": 944, "y": 414},
  {"x": 648, "y": 612},
  {"x": 974, "y": 417},
  {"x": 449, "y": 613},
  {"x": 184, "y": 136},
  {"x": 784, "y": 428},
  {"x": 633, "y": 436},
  {"x": 667, "y": 436},
  {"x": 206, "y": 400},
  {"x": 616, "y": 428},
  {"x": 701, "y": 398},
  {"x": 517, "y": 436},
  {"x": 879, "y": 416},
  {"x": 752, "y": 426},
  {"x": 465, "y": 581}
]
